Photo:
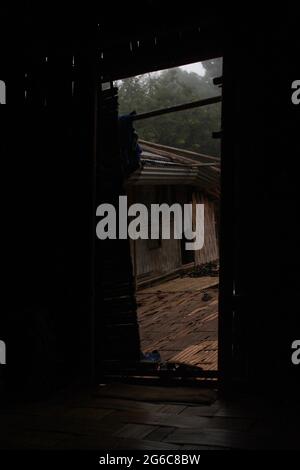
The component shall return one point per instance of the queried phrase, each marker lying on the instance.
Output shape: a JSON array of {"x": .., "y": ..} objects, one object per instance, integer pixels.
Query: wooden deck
[{"x": 177, "y": 321}]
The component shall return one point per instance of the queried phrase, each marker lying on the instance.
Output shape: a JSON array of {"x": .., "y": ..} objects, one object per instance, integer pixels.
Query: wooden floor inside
[
  {"x": 141, "y": 417},
  {"x": 179, "y": 318},
  {"x": 91, "y": 420}
]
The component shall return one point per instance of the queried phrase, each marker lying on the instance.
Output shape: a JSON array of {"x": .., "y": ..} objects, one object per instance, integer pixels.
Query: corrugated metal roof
[{"x": 168, "y": 165}]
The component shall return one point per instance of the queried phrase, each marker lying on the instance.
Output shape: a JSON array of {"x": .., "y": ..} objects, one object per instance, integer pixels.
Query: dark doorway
[{"x": 177, "y": 288}]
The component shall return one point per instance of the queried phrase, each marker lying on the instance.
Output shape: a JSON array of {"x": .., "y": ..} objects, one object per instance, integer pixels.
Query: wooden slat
[{"x": 175, "y": 320}]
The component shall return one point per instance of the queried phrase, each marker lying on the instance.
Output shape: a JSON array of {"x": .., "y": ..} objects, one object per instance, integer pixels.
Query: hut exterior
[{"x": 170, "y": 175}]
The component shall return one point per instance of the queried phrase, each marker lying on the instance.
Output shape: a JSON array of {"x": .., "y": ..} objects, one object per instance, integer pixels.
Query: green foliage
[{"x": 190, "y": 129}]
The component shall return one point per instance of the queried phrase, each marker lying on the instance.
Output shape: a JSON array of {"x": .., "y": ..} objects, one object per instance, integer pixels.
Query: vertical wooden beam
[{"x": 226, "y": 231}]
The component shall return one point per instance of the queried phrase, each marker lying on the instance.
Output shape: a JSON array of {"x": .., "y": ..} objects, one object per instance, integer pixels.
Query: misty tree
[{"x": 190, "y": 129}]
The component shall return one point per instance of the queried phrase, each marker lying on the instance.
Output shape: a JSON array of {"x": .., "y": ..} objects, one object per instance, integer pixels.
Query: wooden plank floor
[
  {"x": 177, "y": 321},
  {"x": 88, "y": 420}
]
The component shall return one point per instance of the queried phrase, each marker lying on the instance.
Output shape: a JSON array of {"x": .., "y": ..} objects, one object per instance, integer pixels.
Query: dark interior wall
[
  {"x": 260, "y": 242},
  {"x": 48, "y": 163},
  {"x": 47, "y": 170}
]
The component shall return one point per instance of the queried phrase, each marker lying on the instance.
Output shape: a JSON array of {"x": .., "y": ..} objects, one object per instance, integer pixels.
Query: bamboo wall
[
  {"x": 167, "y": 257},
  {"x": 210, "y": 251}
]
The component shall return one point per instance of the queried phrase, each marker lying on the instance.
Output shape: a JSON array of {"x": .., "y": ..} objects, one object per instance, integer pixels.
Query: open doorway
[{"x": 177, "y": 288}]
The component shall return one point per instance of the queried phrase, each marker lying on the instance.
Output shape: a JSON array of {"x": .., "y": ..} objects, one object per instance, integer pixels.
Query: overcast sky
[{"x": 197, "y": 68}]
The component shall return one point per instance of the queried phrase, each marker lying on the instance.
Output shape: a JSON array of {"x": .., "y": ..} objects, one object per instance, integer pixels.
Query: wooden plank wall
[
  {"x": 160, "y": 260},
  {"x": 210, "y": 251},
  {"x": 167, "y": 257}
]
